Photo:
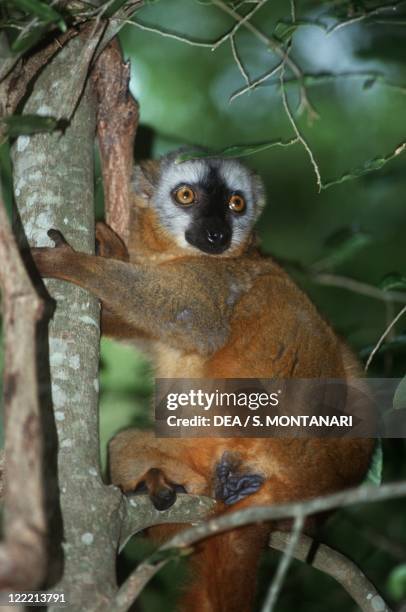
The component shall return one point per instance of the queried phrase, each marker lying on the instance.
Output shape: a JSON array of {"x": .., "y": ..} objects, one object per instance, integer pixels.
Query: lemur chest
[{"x": 171, "y": 362}]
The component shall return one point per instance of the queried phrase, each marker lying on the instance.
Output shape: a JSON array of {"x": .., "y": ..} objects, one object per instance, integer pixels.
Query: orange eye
[
  {"x": 185, "y": 195},
  {"x": 236, "y": 203}
]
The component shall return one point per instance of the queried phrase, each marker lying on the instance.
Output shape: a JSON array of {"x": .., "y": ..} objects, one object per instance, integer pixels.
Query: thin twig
[
  {"x": 329, "y": 77},
  {"x": 297, "y": 131},
  {"x": 343, "y": 282},
  {"x": 382, "y": 338},
  {"x": 366, "y": 15},
  {"x": 238, "y": 61},
  {"x": 258, "y": 81},
  {"x": 293, "y": 11},
  {"x": 277, "y": 48},
  {"x": 167, "y": 34},
  {"x": 244, "y": 19},
  {"x": 284, "y": 563},
  {"x": 368, "y": 166}
]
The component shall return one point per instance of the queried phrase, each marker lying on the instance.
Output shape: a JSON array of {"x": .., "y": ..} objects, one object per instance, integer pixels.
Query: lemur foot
[
  {"x": 161, "y": 492},
  {"x": 232, "y": 483}
]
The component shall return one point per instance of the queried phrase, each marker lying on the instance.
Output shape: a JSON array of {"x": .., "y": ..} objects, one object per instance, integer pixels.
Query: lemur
[{"x": 194, "y": 285}]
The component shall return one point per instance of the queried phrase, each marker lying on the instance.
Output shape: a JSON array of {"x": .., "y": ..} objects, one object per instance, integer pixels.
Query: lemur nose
[{"x": 215, "y": 236}]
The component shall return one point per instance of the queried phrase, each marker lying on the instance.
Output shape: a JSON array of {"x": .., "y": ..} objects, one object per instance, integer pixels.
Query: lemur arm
[{"x": 154, "y": 299}]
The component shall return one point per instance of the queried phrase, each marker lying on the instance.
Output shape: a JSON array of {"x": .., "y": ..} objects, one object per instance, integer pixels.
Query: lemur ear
[{"x": 145, "y": 180}]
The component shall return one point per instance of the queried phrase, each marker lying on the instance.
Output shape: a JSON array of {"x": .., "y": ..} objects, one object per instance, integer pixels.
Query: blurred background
[{"x": 355, "y": 79}]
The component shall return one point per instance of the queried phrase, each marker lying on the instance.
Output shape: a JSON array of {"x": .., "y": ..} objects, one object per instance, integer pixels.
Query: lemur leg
[
  {"x": 139, "y": 462},
  {"x": 153, "y": 299}
]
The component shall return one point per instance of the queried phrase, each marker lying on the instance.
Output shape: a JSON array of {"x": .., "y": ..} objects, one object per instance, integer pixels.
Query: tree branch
[
  {"x": 117, "y": 122},
  {"x": 284, "y": 563},
  {"x": 182, "y": 542},
  {"x": 139, "y": 513},
  {"x": 53, "y": 184},
  {"x": 23, "y": 553},
  {"x": 336, "y": 565},
  {"x": 14, "y": 84}
]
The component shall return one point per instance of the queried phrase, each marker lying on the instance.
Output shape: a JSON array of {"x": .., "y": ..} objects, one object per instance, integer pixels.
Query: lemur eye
[
  {"x": 236, "y": 203},
  {"x": 185, "y": 195}
]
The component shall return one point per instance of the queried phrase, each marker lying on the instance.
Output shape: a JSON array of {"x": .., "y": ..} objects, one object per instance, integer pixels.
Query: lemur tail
[{"x": 224, "y": 571}]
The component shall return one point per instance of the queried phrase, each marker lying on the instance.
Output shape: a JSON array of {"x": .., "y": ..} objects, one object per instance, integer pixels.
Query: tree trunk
[{"x": 53, "y": 182}]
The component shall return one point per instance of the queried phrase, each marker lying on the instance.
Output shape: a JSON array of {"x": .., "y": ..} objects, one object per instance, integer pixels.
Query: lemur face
[{"x": 209, "y": 204}]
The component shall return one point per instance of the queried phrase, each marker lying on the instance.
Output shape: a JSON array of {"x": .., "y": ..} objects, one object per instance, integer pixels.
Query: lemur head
[{"x": 204, "y": 203}]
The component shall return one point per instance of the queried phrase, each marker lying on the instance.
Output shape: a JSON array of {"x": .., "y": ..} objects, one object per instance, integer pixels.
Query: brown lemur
[{"x": 195, "y": 286}]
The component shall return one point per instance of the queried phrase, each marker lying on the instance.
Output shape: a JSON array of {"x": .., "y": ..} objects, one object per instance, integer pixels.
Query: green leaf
[
  {"x": 17, "y": 125},
  {"x": 369, "y": 166},
  {"x": 393, "y": 282},
  {"x": 374, "y": 474},
  {"x": 235, "y": 150},
  {"x": 399, "y": 399},
  {"x": 251, "y": 149},
  {"x": 46, "y": 13},
  {"x": 284, "y": 31},
  {"x": 397, "y": 582},
  {"x": 24, "y": 43}
]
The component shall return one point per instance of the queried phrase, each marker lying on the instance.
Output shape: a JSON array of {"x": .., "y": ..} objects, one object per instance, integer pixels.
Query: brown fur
[{"x": 246, "y": 318}]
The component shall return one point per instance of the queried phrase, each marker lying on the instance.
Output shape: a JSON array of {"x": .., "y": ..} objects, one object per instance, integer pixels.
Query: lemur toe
[
  {"x": 164, "y": 498},
  {"x": 57, "y": 237},
  {"x": 161, "y": 491},
  {"x": 233, "y": 484}
]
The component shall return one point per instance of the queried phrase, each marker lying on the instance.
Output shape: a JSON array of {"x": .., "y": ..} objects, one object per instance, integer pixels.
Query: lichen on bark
[{"x": 53, "y": 183}]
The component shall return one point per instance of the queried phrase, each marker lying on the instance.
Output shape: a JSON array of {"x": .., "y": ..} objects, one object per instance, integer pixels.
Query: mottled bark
[
  {"x": 117, "y": 122},
  {"x": 22, "y": 552},
  {"x": 138, "y": 513},
  {"x": 53, "y": 181}
]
